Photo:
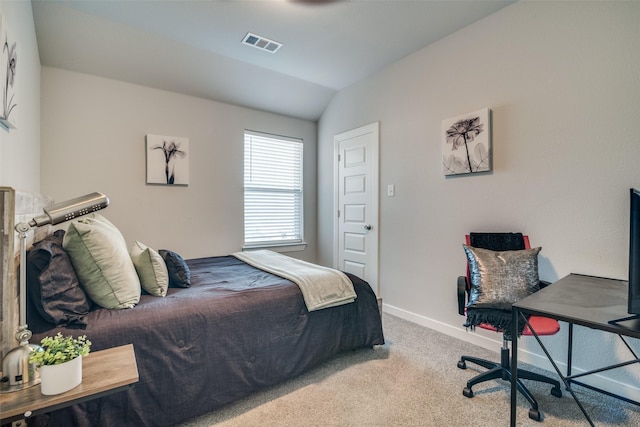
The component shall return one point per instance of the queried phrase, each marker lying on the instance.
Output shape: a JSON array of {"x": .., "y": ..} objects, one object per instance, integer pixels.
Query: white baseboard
[{"x": 539, "y": 360}]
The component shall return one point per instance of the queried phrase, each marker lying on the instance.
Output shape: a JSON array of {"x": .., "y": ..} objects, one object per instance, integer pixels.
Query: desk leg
[
  {"x": 565, "y": 380},
  {"x": 514, "y": 364},
  {"x": 569, "y": 354}
]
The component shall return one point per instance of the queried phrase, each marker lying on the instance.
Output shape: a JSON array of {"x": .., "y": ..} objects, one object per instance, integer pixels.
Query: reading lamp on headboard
[{"x": 17, "y": 372}]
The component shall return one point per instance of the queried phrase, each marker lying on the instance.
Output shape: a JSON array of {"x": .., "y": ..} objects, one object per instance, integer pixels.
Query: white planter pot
[{"x": 56, "y": 379}]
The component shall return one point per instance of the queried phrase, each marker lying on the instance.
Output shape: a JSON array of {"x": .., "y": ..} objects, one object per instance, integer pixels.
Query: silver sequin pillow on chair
[{"x": 500, "y": 278}]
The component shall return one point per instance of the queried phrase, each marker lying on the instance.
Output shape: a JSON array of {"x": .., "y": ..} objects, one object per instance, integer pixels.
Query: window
[{"x": 272, "y": 190}]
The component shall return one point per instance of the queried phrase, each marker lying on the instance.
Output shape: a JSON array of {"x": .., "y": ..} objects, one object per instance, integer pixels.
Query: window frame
[{"x": 280, "y": 245}]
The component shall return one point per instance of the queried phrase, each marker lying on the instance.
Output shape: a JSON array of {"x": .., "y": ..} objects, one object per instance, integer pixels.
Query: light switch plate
[{"x": 391, "y": 190}]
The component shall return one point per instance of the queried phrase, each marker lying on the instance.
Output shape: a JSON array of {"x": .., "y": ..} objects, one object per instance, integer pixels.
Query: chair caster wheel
[
  {"x": 467, "y": 392},
  {"x": 556, "y": 391},
  {"x": 535, "y": 415},
  {"x": 462, "y": 364}
]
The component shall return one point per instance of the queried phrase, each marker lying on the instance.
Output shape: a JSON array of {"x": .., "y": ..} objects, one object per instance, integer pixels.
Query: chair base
[{"x": 502, "y": 370}]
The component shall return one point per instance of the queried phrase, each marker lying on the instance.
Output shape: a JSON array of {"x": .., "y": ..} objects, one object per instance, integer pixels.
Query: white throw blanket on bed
[{"x": 321, "y": 287}]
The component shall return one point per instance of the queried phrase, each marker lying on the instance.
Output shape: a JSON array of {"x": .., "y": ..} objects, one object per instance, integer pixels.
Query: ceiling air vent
[{"x": 261, "y": 43}]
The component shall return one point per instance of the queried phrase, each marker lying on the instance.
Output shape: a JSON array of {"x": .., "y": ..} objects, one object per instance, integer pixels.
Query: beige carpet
[{"x": 410, "y": 381}]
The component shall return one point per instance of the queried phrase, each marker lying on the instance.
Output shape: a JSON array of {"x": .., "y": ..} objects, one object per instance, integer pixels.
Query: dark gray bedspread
[{"x": 236, "y": 330}]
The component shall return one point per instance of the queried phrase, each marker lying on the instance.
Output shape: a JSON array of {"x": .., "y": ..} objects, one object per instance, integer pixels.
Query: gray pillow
[
  {"x": 151, "y": 269},
  {"x": 53, "y": 285},
  {"x": 500, "y": 278},
  {"x": 100, "y": 257},
  {"x": 179, "y": 273}
]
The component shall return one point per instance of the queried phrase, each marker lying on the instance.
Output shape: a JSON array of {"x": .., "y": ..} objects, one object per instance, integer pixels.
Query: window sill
[{"x": 282, "y": 247}]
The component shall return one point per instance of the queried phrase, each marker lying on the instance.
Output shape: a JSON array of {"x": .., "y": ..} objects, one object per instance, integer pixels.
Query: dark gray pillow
[
  {"x": 500, "y": 278},
  {"x": 179, "y": 273},
  {"x": 53, "y": 286}
]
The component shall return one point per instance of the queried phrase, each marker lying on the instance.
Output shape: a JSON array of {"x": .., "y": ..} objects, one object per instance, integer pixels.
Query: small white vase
[{"x": 56, "y": 379}]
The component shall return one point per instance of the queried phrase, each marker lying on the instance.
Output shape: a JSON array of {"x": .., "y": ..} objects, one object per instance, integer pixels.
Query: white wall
[
  {"x": 20, "y": 147},
  {"x": 93, "y": 139},
  {"x": 562, "y": 81}
]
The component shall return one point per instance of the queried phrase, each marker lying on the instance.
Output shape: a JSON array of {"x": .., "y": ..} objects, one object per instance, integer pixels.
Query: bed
[{"x": 236, "y": 329}]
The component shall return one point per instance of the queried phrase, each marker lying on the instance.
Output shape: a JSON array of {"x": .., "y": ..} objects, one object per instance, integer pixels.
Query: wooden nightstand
[{"x": 103, "y": 372}]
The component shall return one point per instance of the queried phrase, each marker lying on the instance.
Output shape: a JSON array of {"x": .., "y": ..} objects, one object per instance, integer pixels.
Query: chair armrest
[{"x": 462, "y": 294}]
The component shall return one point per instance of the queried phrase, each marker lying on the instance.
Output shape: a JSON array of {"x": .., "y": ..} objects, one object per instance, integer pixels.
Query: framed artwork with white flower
[
  {"x": 8, "y": 62},
  {"x": 466, "y": 143},
  {"x": 167, "y": 160}
]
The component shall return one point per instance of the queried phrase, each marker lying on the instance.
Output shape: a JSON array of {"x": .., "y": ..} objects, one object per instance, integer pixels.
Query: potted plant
[{"x": 59, "y": 360}]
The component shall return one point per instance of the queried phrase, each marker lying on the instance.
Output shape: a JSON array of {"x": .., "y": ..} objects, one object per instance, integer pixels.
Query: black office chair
[{"x": 541, "y": 325}]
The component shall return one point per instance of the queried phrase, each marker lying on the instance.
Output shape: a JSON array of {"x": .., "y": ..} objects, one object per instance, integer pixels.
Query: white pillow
[
  {"x": 151, "y": 268},
  {"x": 100, "y": 257}
]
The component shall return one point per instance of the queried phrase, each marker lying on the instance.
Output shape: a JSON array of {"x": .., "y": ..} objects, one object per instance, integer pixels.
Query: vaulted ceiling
[{"x": 194, "y": 47}]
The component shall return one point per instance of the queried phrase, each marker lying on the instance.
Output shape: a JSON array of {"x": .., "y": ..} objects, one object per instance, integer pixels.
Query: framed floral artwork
[
  {"x": 8, "y": 62},
  {"x": 466, "y": 143},
  {"x": 167, "y": 160}
]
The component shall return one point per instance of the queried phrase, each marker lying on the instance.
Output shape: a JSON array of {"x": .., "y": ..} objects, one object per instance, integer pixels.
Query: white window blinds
[{"x": 272, "y": 190}]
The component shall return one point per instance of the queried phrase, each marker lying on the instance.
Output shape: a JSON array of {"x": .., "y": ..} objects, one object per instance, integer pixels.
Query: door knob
[{"x": 367, "y": 227}]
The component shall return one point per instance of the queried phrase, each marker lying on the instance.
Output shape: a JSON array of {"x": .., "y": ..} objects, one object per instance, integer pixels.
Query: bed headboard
[{"x": 15, "y": 206}]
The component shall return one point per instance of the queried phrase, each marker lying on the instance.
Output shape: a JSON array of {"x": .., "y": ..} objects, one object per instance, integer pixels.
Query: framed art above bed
[{"x": 167, "y": 160}]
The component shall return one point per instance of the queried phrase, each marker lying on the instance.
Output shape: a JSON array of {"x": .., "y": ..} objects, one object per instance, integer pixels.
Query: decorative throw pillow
[
  {"x": 500, "y": 278},
  {"x": 179, "y": 273},
  {"x": 53, "y": 285},
  {"x": 100, "y": 257},
  {"x": 151, "y": 269}
]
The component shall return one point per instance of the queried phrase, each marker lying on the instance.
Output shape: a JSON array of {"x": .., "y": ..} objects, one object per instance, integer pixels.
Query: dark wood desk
[
  {"x": 578, "y": 300},
  {"x": 103, "y": 372}
]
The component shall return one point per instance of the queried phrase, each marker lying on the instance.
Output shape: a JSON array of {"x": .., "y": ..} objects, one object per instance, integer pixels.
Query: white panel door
[{"x": 357, "y": 203}]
